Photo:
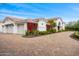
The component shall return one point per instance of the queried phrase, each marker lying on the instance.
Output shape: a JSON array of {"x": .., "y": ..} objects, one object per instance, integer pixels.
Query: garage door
[
  {"x": 20, "y": 28},
  {"x": 9, "y": 28}
]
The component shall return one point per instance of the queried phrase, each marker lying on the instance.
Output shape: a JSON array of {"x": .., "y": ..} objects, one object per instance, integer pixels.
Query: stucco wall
[
  {"x": 0, "y": 27},
  {"x": 41, "y": 26},
  {"x": 15, "y": 28},
  {"x": 62, "y": 25}
]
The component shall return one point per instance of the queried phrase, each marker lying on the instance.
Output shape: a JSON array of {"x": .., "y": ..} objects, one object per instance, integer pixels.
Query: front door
[{"x": 58, "y": 27}]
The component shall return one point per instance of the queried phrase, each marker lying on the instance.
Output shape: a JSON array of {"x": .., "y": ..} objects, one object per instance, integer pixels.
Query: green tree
[
  {"x": 52, "y": 22},
  {"x": 73, "y": 26}
]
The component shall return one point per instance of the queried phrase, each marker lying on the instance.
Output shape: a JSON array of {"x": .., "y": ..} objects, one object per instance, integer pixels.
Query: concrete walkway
[{"x": 53, "y": 44}]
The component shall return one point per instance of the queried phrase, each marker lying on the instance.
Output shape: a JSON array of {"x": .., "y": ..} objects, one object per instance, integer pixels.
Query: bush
[
  {"x": 49, "y": 31},
  {"x": 76, "y": 34},
  {"x": 60, "y": 31},
  {"x": 43, "y": 32},
  {"x": 52, "y": 31},
  {"x": 33, "y": 32},
  {"x": 37, "y": 33},
  {"x": 27, "y": 33}
]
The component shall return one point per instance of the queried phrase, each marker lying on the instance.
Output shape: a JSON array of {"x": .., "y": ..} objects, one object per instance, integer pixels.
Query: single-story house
[{"x": 19, "y": 26}]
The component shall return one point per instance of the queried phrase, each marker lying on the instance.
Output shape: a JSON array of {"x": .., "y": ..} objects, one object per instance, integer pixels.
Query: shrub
[
  {"x": 27, "y": 33},
  {"x": 49, "y": 31},
  {"x": 76, "y": 34},
  {"x": 52, "y": 31},
  {"x": 35, "y": 32},
  {"x": 43, "y": 32},
  {"x": 60, "y": 30}
]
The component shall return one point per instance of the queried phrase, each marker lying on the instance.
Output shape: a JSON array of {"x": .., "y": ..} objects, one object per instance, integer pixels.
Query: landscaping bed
[{"x": 35, "y": 33}]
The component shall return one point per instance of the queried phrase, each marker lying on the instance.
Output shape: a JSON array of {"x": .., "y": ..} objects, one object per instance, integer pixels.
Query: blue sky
[{"x": 68, "y": 11}]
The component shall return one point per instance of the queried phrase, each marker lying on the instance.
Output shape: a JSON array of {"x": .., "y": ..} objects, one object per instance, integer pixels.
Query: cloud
[
  {"x": 25, "y": 7},
  {"x": 3, "y": 15},
  {"x": 6, "y": 12},
  {"x": 26, "y": 10},
  {"x": 21, "y": 10},
  {"x": 37, "y": 7}
]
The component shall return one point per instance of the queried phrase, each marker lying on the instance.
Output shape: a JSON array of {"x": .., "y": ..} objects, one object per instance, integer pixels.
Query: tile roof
[
  {"x": 20, "y": 20},
  {"x": 16, "y": 20}
]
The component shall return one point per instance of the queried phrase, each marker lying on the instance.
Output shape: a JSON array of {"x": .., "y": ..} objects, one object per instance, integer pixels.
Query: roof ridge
[{"x": 13, "y": 17}]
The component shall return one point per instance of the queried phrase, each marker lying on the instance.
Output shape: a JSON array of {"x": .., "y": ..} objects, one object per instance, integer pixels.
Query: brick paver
[{"x": 52, "y": 44}]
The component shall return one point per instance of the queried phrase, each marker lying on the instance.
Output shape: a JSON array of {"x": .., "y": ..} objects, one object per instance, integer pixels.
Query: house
[
  {"x": 60, "y": 25},
  {"x": 19, "y": 26},
  {"x": 14, "y": 25}
]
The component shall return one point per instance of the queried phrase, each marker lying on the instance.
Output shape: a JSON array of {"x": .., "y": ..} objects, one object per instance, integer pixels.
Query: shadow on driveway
[{"x": 74, "y": 37}]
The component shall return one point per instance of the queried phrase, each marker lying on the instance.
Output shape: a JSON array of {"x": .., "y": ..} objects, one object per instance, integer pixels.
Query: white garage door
[
  {"x": 9, "y": 28},
  {"x": 20, "y": 28}
]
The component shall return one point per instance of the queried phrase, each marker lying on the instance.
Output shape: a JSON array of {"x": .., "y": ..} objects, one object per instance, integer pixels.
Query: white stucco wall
[
  {"x": 25, "y": 27},
  {"x": 57, "y": 22},
  {"x": 41, "y": 26},
  {"x": 15, "y": 29},
  {"x": 62, "y": 25},
  {"x": 0, "y": 27}
]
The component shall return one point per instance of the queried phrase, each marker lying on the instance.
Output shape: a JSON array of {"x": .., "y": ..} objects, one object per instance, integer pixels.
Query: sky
[{"x": 67, "y": 11}]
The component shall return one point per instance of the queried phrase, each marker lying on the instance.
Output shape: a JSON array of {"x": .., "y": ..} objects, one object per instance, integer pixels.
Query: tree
[
  {"x": 73, "y": 26},
  {"x": 52, "y": 22}
]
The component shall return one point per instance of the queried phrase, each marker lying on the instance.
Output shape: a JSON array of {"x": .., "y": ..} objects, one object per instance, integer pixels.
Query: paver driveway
[{"x": 52, "y": 44}]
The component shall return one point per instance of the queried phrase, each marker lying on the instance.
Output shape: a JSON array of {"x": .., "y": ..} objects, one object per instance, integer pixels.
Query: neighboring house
[
  {"x": 19, "y": 26},
  {"x": 60, "y": 25}
]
